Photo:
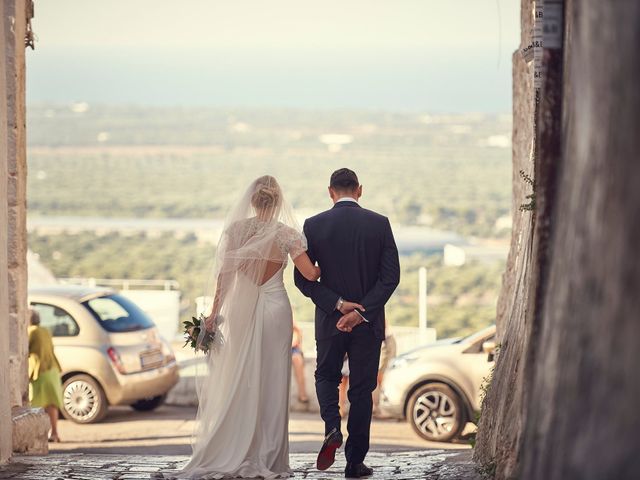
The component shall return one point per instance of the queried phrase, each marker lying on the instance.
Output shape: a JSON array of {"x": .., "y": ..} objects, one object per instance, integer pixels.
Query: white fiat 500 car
[
  {"x": 110, "y": 351},
  {"x": 437, "y": 387}
]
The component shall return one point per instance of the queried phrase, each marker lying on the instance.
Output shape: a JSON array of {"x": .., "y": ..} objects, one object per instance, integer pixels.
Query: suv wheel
[
  {"x": 83, "y": 400},
  {"x": 435, "y": 412},
  {"x": 148, "y": 404}
]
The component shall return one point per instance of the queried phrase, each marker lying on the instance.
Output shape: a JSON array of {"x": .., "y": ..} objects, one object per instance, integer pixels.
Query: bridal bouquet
[{"x": 201, "y": 339}]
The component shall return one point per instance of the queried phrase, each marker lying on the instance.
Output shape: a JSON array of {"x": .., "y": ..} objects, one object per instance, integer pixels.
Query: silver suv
[
  {"x": 437, "y": 387},
  {"x": 110, "y": 351}
]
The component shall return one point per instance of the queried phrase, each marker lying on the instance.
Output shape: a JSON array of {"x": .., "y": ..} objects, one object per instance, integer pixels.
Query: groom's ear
[
  {"x": 331, "y": 193},
  {"x": 359, "y": 191}
]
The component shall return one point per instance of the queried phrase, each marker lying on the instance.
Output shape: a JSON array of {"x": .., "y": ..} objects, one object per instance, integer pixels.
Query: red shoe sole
[{"x": 327, "y": 455}]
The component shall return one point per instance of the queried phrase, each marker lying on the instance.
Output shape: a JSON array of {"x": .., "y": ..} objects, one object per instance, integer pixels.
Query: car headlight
[{"x": 402, "y": 361}]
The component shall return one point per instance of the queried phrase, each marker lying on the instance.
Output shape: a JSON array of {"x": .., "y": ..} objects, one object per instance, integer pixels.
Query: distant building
[
  {"x": 458, "y": 255},
  {"x": 335, "y": 141}
]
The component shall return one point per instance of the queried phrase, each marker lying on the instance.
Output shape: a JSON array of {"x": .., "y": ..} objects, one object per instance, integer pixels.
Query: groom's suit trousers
[{"x": 363, "y": 350}]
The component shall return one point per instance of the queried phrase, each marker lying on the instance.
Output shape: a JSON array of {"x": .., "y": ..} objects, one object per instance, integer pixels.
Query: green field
[{"x": 192, "y": 163}]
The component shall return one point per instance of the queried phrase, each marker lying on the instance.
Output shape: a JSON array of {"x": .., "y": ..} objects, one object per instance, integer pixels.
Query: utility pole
[{"x": 422, "y": 300}]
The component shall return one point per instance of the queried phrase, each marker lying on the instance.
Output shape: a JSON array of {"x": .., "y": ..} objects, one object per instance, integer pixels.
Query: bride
[{"x": 244, "y": 400}]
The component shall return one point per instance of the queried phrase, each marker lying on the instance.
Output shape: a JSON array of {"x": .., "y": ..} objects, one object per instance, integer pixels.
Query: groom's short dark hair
[{"x": 344, "y": 180}]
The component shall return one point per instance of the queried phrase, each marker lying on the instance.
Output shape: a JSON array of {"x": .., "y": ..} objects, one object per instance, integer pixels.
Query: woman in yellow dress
[{"x": 44, "y": 373}]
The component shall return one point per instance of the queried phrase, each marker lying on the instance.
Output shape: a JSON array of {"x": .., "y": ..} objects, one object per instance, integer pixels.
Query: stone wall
[
  {"x": 582, "y": 409},
  {"x": 24, "y": 429},
  {"x": 5, "y": 397},
  {"x": 501, "y": 421},
  {"x": 563, "y": 402},
  {"x": 14, "y": 51}
]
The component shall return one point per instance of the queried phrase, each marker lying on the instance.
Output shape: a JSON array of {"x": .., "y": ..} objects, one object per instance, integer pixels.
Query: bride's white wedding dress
[{"x": 244, "y": 401}]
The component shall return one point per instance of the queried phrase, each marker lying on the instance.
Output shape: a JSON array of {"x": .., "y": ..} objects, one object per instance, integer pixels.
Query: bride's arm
[
  {"x": 295, "y": 244},
  {"x": 219, "y": 295},
  {"x": 306, "y": 268},
  {"x": 218, "y": 298},
  {"x": 227, "y": 241}
]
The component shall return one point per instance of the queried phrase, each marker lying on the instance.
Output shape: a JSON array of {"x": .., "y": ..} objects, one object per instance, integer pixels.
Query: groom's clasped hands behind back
[
  {"x": 351, "y": 316},
  {"x": 347, "y": 263}
]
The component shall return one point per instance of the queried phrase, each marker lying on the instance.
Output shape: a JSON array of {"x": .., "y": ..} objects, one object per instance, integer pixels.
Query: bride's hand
[{"x": 209, "y": 323}]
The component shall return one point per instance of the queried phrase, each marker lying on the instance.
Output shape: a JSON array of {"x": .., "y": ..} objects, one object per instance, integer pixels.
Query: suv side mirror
[{"x": 489, "y": 347}]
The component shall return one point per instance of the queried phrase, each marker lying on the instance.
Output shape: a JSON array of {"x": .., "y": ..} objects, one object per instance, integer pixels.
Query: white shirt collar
[{"x": 347, "y": 199}]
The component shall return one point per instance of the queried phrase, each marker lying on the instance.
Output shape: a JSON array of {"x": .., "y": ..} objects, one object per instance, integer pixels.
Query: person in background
[
  {"x": 297, "y": 361},
  {"x": 44, "y": 373},
  {"x": 387, "y": 354},
  {"x": 343, "y": 387}
]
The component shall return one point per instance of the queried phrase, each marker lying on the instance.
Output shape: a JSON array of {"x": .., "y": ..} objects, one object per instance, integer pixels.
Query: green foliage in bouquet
[{"x": 192, "y": 329}]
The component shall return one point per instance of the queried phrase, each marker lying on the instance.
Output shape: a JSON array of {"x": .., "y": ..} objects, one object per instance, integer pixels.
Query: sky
[{"x": 404, "y": 55}]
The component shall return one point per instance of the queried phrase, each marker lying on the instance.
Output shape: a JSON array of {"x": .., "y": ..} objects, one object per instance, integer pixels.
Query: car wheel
[
  {"x": 83, "y": 400},
  {"x": 436, "y": 412},
  {"x": 148, "y": 404}
]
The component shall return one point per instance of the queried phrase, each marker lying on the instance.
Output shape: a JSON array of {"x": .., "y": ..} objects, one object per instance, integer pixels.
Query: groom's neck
[
  {"x": 345, "y": 194},
  {"x": 346, "y": 198}
]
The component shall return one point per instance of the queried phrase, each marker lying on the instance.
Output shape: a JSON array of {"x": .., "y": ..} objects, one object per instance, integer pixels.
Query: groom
[{"x": 357, "y": 254}]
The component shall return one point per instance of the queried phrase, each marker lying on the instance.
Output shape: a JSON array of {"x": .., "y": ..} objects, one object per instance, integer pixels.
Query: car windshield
[
  {"x": 474, "y": 336},
  {"x": 116, "y": 313}
]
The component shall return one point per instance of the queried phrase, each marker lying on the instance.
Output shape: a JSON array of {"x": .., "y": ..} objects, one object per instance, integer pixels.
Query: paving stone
[{"x": 428, "y": 464}]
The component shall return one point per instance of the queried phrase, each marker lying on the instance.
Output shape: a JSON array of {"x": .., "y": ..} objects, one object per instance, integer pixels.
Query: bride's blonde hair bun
[{"x": 266, "y": 193}]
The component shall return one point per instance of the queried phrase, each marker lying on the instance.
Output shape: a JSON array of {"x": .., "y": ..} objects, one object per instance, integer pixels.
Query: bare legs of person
[
  {"x": 52, "y": 411},
  {"x": 378, "y": 412},
  {"x": 388, "y": 353},
  {"x": 297, "y": 360},
  {"x": 342, "y": 395}
]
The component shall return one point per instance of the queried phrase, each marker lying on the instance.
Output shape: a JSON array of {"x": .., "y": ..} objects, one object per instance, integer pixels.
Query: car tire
[
  {"x": 83, "y": 399},
  {"x": 436, "y": 412},
  {"x": 148, "y": 404}
]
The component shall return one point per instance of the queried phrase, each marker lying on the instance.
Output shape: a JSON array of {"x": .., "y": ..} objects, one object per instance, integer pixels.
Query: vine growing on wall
[{"x": 531, "y": 198}]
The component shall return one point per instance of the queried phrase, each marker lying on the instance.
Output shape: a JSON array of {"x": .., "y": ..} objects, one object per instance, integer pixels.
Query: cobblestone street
[
  {"x": 429, "y": 464},
  {"x": 137, "y": 445}
]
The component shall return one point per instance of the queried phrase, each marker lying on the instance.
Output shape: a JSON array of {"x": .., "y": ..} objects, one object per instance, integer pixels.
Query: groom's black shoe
[
  {"x": 357, "y": 470},
  {"x": 327, "y": 455}
]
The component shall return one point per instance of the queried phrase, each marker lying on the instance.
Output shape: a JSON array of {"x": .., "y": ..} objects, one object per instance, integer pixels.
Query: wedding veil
[{"x": 258, "y": 232}]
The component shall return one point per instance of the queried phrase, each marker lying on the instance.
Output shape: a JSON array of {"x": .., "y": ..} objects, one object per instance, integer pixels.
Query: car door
[{"x": 63, "y": 328}]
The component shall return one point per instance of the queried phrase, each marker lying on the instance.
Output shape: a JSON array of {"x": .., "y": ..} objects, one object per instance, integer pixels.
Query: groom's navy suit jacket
[{"x": 357, "y": 254}]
